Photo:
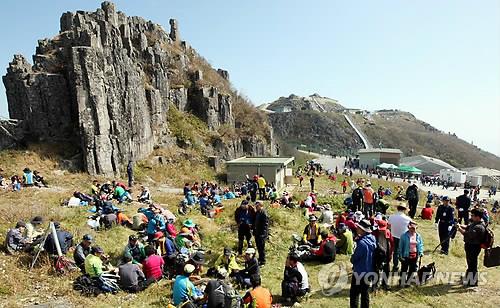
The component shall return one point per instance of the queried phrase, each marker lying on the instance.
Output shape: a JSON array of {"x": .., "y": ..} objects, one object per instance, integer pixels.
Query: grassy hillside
[
  {"x": 21, "y": 287},
  {"x": 402, "y": 130}
]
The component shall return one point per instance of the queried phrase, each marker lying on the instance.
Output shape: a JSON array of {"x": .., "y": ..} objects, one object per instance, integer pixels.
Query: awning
[
  {"x": 387, "y": 166},
  {"x": 409, "y": 169}
]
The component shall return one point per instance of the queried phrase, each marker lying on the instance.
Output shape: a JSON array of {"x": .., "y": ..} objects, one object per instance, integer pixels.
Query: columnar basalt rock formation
[{"x": 107, "y": 81}]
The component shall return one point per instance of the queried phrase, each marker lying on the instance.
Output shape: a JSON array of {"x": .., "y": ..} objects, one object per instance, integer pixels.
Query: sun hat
[
  {"x": 250, "y": 251},
  {"x": 189, "y": 268},
  {"x": 364, "y": 225},
  {"x": 189, "y": 223}
]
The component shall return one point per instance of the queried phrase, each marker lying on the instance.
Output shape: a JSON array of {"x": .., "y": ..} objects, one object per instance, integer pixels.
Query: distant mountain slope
[
  {"x": 316, "y": 130},
  {"x": 402, "y": 130},
  {"x": 319, "y": 123}
]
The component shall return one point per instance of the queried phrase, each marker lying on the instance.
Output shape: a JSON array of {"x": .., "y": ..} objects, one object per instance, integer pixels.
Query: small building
[
  {"x": 375, "y": 156},
  {"x": 274, "y": 169},
  {"x": 453, "y": 176}
]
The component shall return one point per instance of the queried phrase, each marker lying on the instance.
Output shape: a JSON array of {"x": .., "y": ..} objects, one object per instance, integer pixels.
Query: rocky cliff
[{"x": 107, "y": 81}]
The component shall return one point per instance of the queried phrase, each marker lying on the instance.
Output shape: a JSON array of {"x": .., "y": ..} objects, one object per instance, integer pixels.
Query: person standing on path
[
  {"x": 261, "y": 181},
  {"x": 412, "y": 197},
  {"x": 311, "y": 181},
  {"x": 261, "y": 231},
  {"x": 463, "y": 205},
  {"x": 399, "y": 225},
  {"x": 130, "y": 173},
  {"x": 474, "y": 234},
  {"x": 445, "y": 219}
]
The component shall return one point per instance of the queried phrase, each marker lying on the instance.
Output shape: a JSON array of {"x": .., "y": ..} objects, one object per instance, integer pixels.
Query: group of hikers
[
  {"x": 157, "y": 250},
  {"x": 27, "y": 179}
]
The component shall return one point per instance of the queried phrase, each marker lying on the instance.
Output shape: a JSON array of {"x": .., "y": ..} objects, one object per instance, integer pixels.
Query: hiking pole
[{"x": 40, "y": 246}]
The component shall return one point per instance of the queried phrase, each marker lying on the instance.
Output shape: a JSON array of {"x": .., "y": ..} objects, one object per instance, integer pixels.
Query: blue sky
[{"x": 439, "y": 60}]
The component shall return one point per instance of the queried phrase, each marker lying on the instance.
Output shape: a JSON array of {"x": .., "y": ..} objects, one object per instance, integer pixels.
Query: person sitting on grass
[
  {"x": 427, "y": 212},
  {"x": 295, "y": 283},
  {"x": 135, "y": 250},
  {"x": 145, "y": 196},
  {"x": 251, "y": 268},
  {"x": 15, "y": 240},
  {"x": 82, "y": 250},
  {"x": 121, "y": 194},
  {"x": 326, "y": 251},
  {"x": 33, "y": 228},
  {"x": 28, "y": 178},
  {"x": 94, "y": 268},
  {"x": 184, "y": 290},
  {"x": 312, "y": 232},
  {"x": 132, "y": 278},
  {"x": 64, "y": 237},
  {"x": 226, "y": 262},
  {"x": 39, "y": 180},
  {"x": 153, "y": 264},
  {"x": 258, "y": 296}
]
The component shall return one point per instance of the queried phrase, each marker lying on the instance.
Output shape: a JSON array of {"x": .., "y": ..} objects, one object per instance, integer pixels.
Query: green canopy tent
[{"x": 409, "y": 169}]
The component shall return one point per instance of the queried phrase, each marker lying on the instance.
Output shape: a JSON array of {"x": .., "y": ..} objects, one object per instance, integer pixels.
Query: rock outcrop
[{"x": 107, "y": 81}]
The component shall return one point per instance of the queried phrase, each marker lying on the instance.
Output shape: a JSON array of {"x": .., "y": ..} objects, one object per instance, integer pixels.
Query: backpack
[
  {"x": 381, "y": 252},
  {"x": 489, "y": 238}
]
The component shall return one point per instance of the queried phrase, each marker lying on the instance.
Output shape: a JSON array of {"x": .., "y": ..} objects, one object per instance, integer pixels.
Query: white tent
[{"x": 428, "y": 165}]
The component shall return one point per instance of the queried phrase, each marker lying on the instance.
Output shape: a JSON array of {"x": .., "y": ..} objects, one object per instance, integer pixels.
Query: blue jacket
[
  {"x": 157, "y": 223},
  {"x": 362, "y": 258},
  {"x": 404, "y": 245}
]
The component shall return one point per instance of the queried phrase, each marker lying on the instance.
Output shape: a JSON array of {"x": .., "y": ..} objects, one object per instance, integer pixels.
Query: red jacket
[
  {"x": 319, "y": 252},
  {"x": 427, "y": 213}
]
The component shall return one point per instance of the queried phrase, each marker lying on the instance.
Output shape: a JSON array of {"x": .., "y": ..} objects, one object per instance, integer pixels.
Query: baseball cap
[{"x": 88, "y": 237}]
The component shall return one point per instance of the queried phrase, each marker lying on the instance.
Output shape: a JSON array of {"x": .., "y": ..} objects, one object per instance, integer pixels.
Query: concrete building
[
  {"x": 489, "y": 177},
  {"x": 274, "y": 169},
  {"x": 375, "y": 156},
  {"x": 428, "y": 165}
]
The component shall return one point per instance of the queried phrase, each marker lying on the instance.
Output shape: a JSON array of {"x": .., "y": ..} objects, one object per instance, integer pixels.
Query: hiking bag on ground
[{"x": 492, "y": 257}]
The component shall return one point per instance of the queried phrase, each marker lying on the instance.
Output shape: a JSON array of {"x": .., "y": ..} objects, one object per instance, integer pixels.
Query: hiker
[
  {"x": 261, "y": 231},
  {"x": 399, "y": 225},
  {"x": 463, "y": 204},
  {"x": 474, "y": 234},
  {"x": 253, "y": 187},
  {"x": 198, "y": 260},
  {"x": 345, "y": 241},
  {"x": 184, "y": 290},
  {"x": 368, "y": 200},
  {"x": 327, "y": 250},
  {"x": 357, "y": 199},
  {"x": 94, "y": 268},
  {"x": 383, "y": 253},
  {"x": 15, "y": 183},
  {"x": 130, "y": 173},
  {"x": 311, "y": 182},
  {"x": 15, "y": 240},
  {"x": 410, "y": 249},
  {"x": 312, "y": 232},
  {"x": 121, "y": 194},
  {"x": 258, "y": 296},
  {"x": 412, "y": 198},
  {"x": 33, "y": 228},
  {"x": 261, "y": 181},
  {"x": 28, "y": 178},
  {"x": 145, "y": 196},
  {"x": 217, "y": 292},
  {"x": 362, "y": 265},
  {"x": 135, "y": 250},
  {"x": 139, "y": 220},
  {"x": 326, "y": 217},
  {"x": 156, "y": 224},
  {"x": 444, "y": 221},
  {"x": 225, "y": 262},
  {"x": 152, "y": 266},
  {"x": 64, "y": 237},
  {"x": 344, "y": 185},
  {"x": 245, "y": 218},
  {"x": 301, "y": 179},
  {"x": 82, "y": 250},
  {"x": 427, "y": 212},
  {"x": 295, "y": 283},
  {"x": 39, "y": 180},
  {"x": 132, "y": 279},
  {"x": 251, "y": 268}
]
